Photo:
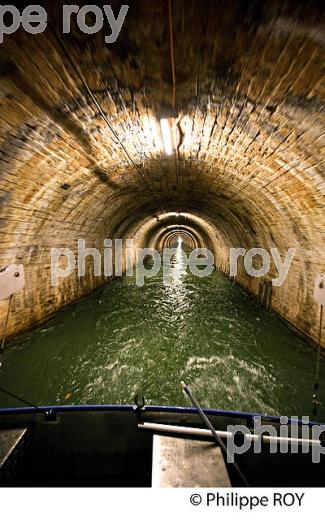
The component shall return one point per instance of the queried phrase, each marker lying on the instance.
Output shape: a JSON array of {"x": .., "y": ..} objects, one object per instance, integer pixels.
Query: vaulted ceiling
[{"x": 81, "y": 154}]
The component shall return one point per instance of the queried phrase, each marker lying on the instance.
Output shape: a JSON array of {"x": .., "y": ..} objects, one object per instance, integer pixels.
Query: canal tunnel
[
  {"x": 83, "y": 153},
  {"x": 162, "y": 252}
]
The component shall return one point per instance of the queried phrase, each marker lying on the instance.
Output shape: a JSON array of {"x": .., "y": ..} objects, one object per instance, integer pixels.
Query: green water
[{"x": 127, "y": 340}]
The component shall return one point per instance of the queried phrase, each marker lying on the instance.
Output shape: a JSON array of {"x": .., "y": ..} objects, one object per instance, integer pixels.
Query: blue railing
[{"x": 164, "y": 409}]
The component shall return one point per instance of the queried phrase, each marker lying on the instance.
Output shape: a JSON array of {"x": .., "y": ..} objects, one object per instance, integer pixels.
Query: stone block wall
[{"x": 81, "y": 154}]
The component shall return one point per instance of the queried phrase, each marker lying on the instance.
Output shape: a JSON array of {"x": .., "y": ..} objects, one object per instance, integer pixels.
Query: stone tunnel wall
[{"x": 81, "y": 154}]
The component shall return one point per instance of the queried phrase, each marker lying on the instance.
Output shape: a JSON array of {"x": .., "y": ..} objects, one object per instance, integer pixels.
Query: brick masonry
[{"x": 81, "y": 155}]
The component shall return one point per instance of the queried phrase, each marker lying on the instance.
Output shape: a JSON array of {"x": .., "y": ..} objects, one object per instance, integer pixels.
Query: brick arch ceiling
[{"x": 82, "y": 157}]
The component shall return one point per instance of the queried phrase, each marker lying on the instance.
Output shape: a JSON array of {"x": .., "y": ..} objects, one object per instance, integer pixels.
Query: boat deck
[{"x": 106, "y": 447}]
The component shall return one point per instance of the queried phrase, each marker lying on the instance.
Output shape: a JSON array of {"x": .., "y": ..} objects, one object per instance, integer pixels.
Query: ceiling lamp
[
  {"x": 167, "y": 117},
  {"x": 167, "y": 135}
]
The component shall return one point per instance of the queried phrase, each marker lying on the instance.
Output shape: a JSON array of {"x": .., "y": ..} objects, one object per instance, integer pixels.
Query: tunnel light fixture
[{"x": 166, "y": 132}]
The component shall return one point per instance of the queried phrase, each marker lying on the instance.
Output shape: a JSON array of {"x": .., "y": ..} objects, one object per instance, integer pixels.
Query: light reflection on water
[{"x": 126, "y": 340}]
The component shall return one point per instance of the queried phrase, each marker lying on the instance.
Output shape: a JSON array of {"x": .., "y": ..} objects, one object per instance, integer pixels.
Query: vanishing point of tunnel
[{"x": 238, "y": 87}]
